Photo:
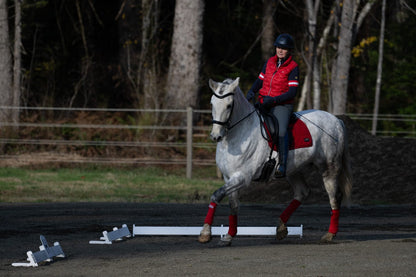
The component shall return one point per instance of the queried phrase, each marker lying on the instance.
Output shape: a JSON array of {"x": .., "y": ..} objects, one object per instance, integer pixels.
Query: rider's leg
[
  {"x": 283, "y": 113},
  {"x": 283, "y": 151}
]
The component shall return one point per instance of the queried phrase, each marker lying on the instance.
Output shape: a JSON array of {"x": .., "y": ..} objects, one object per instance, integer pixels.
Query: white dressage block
[
  {"x": 216, "y": 231},
  {"x": 116, "y": 234},
  {"x": 46, "y": 254}
]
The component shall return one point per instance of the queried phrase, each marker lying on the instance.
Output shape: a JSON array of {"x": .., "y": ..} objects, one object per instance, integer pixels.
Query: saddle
[
  {"x": 299, "y": 135},
  {"x": 298, "y": 132}
]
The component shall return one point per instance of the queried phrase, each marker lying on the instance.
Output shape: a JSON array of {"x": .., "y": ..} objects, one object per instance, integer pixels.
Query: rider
[{"x": 277, "y": 87}]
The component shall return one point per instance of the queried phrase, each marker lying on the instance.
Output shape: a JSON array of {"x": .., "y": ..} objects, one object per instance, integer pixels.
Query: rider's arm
[{"x": 257, "y": 84}]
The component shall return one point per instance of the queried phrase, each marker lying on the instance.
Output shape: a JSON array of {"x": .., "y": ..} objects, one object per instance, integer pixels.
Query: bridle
[{"x": 227, "y": 123}]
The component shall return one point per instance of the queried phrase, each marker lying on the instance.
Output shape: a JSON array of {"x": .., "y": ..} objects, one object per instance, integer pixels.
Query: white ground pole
[
  {"x": 115, "y": 235},
  {"x": 46, "y": 254},
  {"x": 221, "y": 231}
]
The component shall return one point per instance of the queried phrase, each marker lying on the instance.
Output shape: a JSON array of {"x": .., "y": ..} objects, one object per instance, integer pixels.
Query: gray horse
[{"x": 242, "y": 151}]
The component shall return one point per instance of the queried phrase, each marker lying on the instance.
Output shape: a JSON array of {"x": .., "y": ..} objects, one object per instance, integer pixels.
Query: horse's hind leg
[
  {"x": 301, "y": 192},
  {"x": 330, "y": 178}
]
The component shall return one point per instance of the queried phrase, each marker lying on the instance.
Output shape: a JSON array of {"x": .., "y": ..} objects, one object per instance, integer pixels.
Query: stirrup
[{"x": 280, "y": 173}]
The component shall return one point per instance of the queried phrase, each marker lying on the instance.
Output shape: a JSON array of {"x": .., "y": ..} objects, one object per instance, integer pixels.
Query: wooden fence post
[{"x": 189, "y": 131}]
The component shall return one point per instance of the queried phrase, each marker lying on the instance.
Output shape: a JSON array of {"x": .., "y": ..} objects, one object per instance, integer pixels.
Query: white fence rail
[
  {"x": 188, "y": 127},
  {"x": 409, "y": 120},
  {"x": 188, "y": 144}
]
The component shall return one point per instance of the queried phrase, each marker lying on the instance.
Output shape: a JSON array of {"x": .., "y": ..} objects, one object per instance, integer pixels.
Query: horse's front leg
[
  {"x": 232, "y": 221},
  {"x": 205, "y": 235},
  {"x": 231, "y": 187}
]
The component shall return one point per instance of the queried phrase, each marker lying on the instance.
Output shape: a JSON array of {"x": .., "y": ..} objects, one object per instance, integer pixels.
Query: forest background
[{"x": 157, "y": 54}]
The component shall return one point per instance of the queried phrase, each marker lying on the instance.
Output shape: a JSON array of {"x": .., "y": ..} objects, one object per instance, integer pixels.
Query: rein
[
  {"x": 227, "y": 123},
  {"x": 238, "y": 122},
  {"x": 263, "y": 126}
]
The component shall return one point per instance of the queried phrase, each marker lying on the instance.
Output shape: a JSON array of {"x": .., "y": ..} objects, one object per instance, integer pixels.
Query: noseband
[{"x": 228, "y": 123}]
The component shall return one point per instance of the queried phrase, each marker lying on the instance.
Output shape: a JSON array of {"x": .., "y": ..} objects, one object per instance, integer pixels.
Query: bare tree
[
  {"x": 184, "y": 64},
  {"x": 6, "y": 96},
  {"x": 351, "y": 18},
  {"x": 266, "y": 35},
  {"x": 379, "y": 68},
  {"x": 406, "y": 6},
  {"x": 340, "y": 73},
  {"x": 269, "y": 28},
  {"x": 312, "y": 74},
  {"x": 17, "y": 53},
  {"x": 86, "y": 60},
  {"x": 314, "y": 59},
  {"x": 148, "y": 72}
]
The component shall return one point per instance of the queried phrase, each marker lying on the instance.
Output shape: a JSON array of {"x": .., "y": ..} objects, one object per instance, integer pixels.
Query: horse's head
[{"x": 222, "y": 106}]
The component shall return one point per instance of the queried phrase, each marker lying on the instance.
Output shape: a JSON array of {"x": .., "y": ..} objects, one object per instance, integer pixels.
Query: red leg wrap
[
  {"x": 290, "y": 210},
  {"x": 232, "y": 229},
  {"x": 210, "y": 215},
  {"x": 333, "y": 227}
]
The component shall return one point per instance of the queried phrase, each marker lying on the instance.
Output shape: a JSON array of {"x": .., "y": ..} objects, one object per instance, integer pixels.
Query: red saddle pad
[{"x": 299, "y": 135}]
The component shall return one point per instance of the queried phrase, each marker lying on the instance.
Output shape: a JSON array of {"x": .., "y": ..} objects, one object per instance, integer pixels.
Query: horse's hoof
[
  {"x": 225, "y": 241},
  {"x": 328, "y": 237},
  {"x": 204, "y": 238},
  {"x": 281, "y": 231},
  {"x": 205, "y": 235}
]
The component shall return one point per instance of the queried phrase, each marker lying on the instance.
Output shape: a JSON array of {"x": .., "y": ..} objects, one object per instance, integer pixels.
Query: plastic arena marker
[
  {"x": 116, "y": 234},
  {"x": 46, "y": 254},
  {"x": 216, "y": 231}
]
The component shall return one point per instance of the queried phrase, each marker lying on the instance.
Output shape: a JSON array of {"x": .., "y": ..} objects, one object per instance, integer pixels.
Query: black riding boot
[{"x": 283, "y": 151}]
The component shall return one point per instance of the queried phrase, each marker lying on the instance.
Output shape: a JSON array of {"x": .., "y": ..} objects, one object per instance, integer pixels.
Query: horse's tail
[{"x": 345, "y": 178}]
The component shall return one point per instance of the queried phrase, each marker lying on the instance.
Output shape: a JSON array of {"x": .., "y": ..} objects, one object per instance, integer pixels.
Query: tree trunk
[
  {"x": 268, "y": 34},
  {"x": 6, "y": 95},
  {"x": 17, "y": 61},
  {"x": 314, "y": 57},
  {"x": 340, "y": 72},
  {"x": 184, "y": 65},
  {"x": 320, "y": 51},
  {"x": 313, "y": 67},
  {"x": 85, "y": 81},
  {"x": 379, "y": 68},
  {"x": 339, "y": 80},
  {"x": 148, "y": 79},
  {"x": 304, "y": 91}
]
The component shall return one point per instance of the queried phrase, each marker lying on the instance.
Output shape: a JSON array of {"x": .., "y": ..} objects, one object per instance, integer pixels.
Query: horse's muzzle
[
  {"x": 216, "y": 138},
  {"x": 217, "y": 133}
]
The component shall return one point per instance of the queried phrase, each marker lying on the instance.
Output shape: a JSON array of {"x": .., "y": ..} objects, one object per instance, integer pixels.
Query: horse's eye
[{"x": 229, "y": 106}]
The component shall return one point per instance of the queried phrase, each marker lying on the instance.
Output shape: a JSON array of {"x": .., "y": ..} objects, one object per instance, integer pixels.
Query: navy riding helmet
[{"x": 284, "y": 41}]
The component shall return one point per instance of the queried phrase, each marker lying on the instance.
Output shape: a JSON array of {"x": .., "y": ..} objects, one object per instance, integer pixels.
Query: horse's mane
[
  {"x": 241, "y": 99},
  {"x": 242, "y": 106}
]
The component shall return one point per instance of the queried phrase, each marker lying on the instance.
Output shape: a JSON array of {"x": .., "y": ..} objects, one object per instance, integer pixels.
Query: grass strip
[{"x": 147, "y": 185}]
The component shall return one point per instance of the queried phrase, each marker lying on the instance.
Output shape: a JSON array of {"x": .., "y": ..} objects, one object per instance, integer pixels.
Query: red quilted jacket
[{"x": 276, "y": 79}]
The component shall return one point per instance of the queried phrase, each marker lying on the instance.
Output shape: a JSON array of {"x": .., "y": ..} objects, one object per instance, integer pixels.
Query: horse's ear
[
  {"x": 234, "y": 84},
  {"x": 213, "y": 85}
]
